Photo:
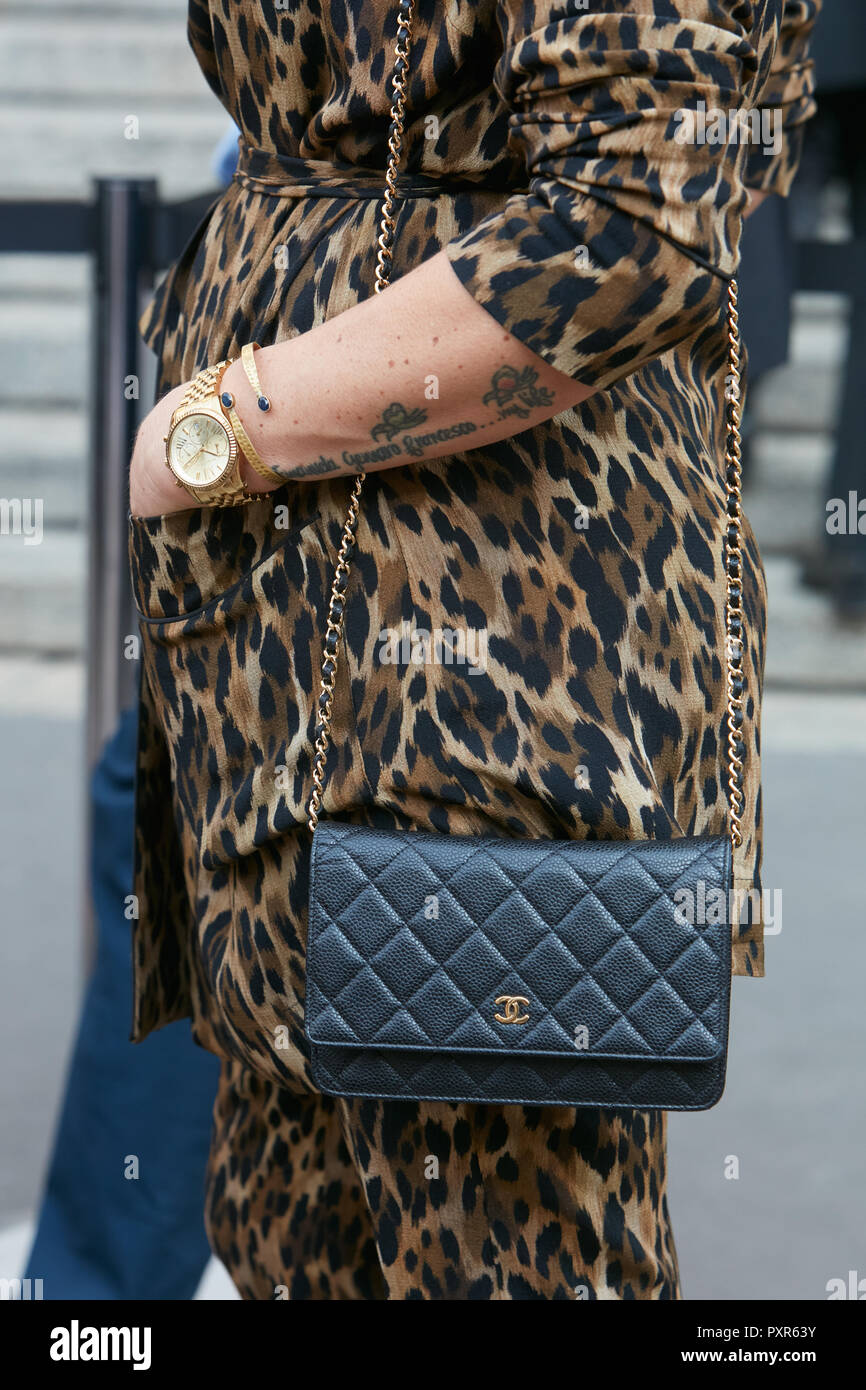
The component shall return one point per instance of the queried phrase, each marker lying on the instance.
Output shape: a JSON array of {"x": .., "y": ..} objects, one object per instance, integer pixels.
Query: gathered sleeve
[
  {"x": 613, "y": 254},
  {"x": 789, "y": 94}
]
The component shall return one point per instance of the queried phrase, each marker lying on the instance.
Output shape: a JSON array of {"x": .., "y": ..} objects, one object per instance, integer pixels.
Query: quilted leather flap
[{"x": 603, "y": 948}]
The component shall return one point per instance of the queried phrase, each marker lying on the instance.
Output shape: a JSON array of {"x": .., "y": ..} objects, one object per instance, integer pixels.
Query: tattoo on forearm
[
  {"x": 317, "y": 469},
  {"x": 512, "y": 391},
  {"x": 411, "y": 444},
  {"x": 515, "y": 392},
  {"x": 396, "y": 417}
]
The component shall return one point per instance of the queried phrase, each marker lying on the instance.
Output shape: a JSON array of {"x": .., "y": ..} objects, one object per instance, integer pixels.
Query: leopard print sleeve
[
  {"x": 788, "y": 95},
  {"x": 613, "y": 255}
]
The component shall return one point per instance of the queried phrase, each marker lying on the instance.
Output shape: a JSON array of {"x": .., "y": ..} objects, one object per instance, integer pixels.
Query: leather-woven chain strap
[{"x": 734, "y": 616}]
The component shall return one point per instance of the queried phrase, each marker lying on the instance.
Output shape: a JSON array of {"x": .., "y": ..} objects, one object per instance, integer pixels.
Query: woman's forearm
[{"x": 417, "y": 371}]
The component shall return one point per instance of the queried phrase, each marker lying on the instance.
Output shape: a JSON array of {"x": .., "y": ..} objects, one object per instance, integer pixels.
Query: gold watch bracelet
[{"x": 205, "y": 386}]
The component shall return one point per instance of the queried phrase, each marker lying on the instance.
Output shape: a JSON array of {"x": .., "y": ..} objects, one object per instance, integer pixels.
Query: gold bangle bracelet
[
  {"x": 252, "y": 374},
  {"x": 248, "y": 449}
]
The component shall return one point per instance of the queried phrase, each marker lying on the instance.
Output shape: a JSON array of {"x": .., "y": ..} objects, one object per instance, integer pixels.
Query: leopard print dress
[{"x": 541, "y": 151}]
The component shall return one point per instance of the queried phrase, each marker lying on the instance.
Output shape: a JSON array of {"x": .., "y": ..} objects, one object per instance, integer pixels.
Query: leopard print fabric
[
  {"x": 588, "y": 549},
  {"x": 314, "y": 1198}
]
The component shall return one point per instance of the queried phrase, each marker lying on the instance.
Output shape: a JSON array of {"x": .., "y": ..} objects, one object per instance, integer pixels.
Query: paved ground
[
  {"x": 793, "y": 1112},
  {"x": 41, "y": 893}
]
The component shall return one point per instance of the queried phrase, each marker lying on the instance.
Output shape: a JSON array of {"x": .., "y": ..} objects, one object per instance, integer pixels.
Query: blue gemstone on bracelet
[
  {"x": 227, "y": 399},
  {"x": 264, "y": 403}
]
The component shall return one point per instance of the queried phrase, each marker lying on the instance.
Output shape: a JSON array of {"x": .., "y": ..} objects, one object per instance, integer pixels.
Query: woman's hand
[{"x": 153, "y": 488}]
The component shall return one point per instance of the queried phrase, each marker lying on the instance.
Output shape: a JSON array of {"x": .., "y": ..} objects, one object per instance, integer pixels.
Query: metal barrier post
[
  {"x": 122, "y": 270},
  {"x": 123, "y": 235}
]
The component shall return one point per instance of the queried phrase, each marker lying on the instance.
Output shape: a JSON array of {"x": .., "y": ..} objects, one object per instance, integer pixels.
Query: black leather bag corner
[{"x": 548, "y": 972}]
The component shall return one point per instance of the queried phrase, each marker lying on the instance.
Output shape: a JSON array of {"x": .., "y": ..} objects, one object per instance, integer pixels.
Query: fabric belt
[{"x": 288, "y": 176}]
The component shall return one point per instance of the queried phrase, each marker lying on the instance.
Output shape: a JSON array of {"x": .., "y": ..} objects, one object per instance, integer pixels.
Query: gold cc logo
[{"x": 512, "y": 1012}]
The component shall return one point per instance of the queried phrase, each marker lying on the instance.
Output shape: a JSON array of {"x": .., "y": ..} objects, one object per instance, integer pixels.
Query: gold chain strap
[
  {"x": 336, "y": 611},
  {"x": 734, "y": 616}
]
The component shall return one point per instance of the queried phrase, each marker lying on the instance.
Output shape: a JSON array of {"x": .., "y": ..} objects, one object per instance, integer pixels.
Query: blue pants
[{"x": 101, "y": 1234}]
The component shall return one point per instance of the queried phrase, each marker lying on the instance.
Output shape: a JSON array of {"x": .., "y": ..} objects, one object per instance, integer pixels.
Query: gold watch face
[{"x": 198, "y": 450}]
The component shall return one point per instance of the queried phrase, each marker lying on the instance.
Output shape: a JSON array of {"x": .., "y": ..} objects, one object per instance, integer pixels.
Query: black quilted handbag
[{"x": 550, "y": 972}]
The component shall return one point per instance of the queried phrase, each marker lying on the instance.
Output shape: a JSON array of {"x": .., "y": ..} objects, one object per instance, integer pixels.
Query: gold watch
[{"x": 201, "y": 449}]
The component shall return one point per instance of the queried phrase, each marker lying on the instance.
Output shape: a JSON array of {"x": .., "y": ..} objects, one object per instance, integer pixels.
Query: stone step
[
  {"x": 805, "y": 647},
  {"x": 811, "y": 305},
  {"x": 47, "y": 278},
  {"x": 44, "y": 454},
  {"x": 82, "y": 58},
  {"x": 44, "y": 593},
  {"x": 118, "y": 11},
  {"x": 45, "y": 352},
  {"x": 787, "y": 529},
  {"x": 784, "y": 495},
  {"x": 790, "y": 462},
  {"x": 70, "y": 75},
  {"x": 799, "y": 399},
  {"x": 174, "y": 146},
  {"x": 819, "y": 332}
]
